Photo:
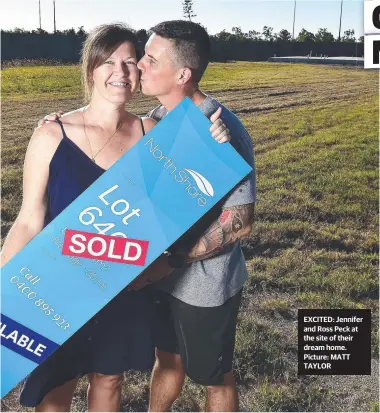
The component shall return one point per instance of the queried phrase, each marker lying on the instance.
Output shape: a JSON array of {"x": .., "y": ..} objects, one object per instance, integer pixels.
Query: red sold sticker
[{"x": 104, "y": 247}]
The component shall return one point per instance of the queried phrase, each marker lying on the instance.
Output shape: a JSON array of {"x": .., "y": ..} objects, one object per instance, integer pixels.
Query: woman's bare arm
[{"x": 30, "y": 219}]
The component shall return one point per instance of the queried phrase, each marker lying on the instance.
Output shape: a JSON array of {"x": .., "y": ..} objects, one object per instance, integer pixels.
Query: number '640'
[{"x": 120, "y": 207}]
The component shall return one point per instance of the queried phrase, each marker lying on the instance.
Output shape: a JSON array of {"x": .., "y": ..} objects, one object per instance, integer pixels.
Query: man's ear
[{"x": 184, "y": 76}]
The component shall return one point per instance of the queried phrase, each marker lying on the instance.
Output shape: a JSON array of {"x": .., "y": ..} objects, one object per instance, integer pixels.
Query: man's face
[{"x": 159, "y": 72}]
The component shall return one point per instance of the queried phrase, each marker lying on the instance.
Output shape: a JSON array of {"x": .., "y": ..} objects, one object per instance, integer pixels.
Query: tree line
[
  {"x": 267, "y": 34},
  {"x": 69, "y": 32},
  {"x": 236, "y": 34}
]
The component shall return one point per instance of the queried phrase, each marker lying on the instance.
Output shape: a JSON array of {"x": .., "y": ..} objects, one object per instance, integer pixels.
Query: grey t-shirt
[{"x": 210, "y": 282}]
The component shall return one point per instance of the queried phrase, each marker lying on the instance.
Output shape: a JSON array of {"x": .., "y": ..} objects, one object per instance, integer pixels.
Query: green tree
[
  {"x": 224, "y": 36},
  {"x": 268, "y": 33},
  {"x": 188, "y": 12},
  {"x": 69, "y": 32},
  {"x": 349, "y": 36},
  {"x": 284, "y": 35},
  {"x": 18, "y": 30},
  {"x": 305, "y": 36},
  {"x": 323, "y": 35},
  {"x": 361, "y": 39},
  {"x": 253, "y": 34},
  {"x": 81, "y": 31},
  {"x": 238, "y": 33},
  {"x": 37, "y": 31}
]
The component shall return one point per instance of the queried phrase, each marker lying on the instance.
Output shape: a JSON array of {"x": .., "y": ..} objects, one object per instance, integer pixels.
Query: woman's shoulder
[
  {"x": 48, "y": 136},
  {"x": 54, "y": 130},
  {"x": 148, "y": 123},
  {"x": 73, "y": 117},
  {"x": 44, "y": 143}
]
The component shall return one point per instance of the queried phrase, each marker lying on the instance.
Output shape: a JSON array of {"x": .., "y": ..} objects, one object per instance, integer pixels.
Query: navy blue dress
[{"x": 120, "y": 336}]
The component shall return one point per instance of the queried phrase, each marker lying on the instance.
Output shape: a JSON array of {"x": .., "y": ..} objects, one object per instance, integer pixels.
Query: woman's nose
[{"x": 121, "y": 68}]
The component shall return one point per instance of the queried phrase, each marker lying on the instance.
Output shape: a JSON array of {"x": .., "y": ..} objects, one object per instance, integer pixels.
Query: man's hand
[
  {"x": 52, "y": 117},
  {"x": 218, "y": 129},
  {"x": 157, "y": 270}
]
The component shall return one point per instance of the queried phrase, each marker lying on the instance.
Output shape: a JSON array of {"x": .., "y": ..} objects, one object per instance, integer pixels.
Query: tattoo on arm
[{"x": 233, "y": 224}]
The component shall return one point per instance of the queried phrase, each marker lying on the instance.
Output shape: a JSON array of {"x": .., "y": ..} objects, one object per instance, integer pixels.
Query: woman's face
[{"x": 117, "y": 79}]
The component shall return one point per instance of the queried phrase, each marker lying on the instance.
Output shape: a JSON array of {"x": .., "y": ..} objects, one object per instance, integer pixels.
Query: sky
[{"x": 215, "y": 15}]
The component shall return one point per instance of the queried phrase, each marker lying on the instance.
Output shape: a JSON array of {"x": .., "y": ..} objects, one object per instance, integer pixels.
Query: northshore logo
[{"x": 201, "y": 186}]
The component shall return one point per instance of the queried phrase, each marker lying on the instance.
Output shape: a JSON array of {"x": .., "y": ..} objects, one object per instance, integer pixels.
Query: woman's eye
[
  {"x": 130, "y": 62},
  {"x": 108, "y": 62}
]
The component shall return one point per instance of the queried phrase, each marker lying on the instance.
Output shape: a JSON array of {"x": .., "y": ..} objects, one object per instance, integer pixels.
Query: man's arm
[{"x": 233, "y": 224}]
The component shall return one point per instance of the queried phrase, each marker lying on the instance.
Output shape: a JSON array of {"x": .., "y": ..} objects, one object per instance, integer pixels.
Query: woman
[{"x": 62, "y": 160}]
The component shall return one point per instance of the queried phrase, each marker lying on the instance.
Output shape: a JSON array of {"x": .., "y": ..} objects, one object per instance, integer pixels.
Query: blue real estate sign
[{"x": 151, "y": 196}]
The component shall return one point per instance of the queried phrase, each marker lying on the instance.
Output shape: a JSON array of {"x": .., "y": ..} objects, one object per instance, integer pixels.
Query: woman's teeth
[{"x": 120, "y": 84}]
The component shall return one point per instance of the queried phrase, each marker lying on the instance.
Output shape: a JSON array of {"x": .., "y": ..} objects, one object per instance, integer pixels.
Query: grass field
[{"x": 315, "y": 238}]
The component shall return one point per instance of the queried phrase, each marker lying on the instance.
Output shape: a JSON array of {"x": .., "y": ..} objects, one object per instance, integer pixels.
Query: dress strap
[
  {"x": 142, "y": 126},
  {"x": 63, "y": 130}
]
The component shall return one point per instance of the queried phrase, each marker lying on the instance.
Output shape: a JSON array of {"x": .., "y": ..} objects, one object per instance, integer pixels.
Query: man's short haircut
[{"x": 191, "y": 42}]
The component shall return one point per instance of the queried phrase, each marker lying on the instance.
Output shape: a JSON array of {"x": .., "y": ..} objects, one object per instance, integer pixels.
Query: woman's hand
[{"x": 218, "y": 129}]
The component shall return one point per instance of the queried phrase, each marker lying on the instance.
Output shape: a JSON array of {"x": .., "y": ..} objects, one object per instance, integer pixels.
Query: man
[{"x": 197, "y": 304}]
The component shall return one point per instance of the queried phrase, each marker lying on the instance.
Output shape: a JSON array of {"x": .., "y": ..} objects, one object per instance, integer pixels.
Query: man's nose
[{"x": 140, "y": 64}]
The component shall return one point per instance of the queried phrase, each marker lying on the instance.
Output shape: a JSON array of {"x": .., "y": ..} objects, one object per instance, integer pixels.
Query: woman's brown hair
[{"x": 99, "y": 45}]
